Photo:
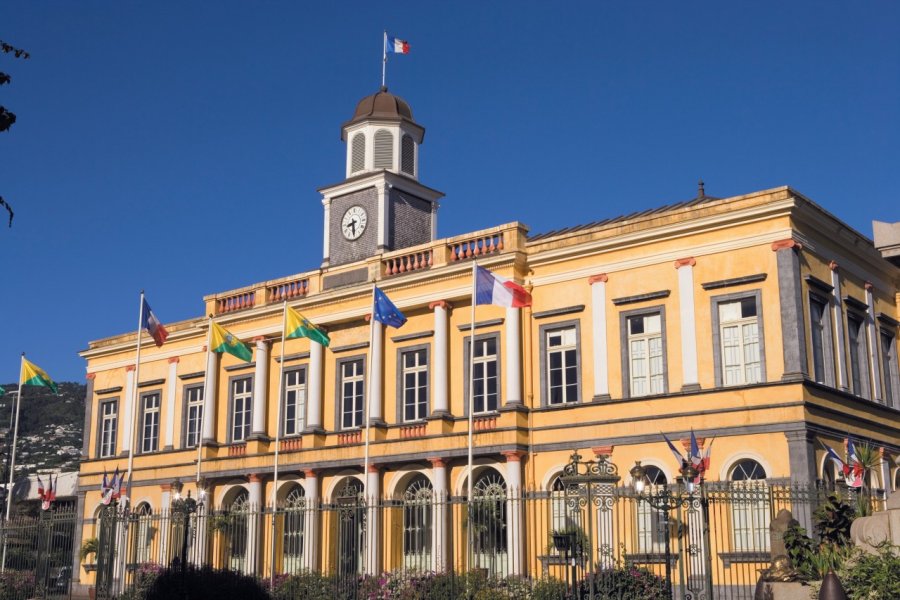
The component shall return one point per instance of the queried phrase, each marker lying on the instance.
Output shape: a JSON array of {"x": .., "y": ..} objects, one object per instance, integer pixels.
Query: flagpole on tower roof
[{"x": 384, "y": 59}]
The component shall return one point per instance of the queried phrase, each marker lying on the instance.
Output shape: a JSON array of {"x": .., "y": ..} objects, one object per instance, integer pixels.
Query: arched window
[
  {"x": 896, "y": 479},
  {"x": 829, "y": 478},
  {"x": 418, "y": 505},
  {"x": 238, "y": 526},
  {"x": 144, "y": 532},
  {"x": 358, "y": 153},
  {"x": 294, "y": 529},
  {"x": 350, "y": 512},
  {"x": 383, "y": 155},
  {"x": 750, "y": 506},
  {"x": 488, "y": 512},
  {"x": 651, "y": 523},
  {"x": 408, "y": 155}
]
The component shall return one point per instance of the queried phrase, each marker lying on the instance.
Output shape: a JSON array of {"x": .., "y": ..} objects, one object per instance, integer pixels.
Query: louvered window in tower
[
  {"x": 384, "y": 148},
  {"x": 358, "y": 153},
  {"x": 408, "y": 155}
]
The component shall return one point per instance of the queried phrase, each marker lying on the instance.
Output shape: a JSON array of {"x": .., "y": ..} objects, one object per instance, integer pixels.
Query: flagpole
[
  {"x": 135, "y": 419},
  {"x": 384, "y": 60},
  {"x": 278, "y": 439},
  {"x": 206, "y": 391},
  {"x": 12, "y": 460},
  {"x": 470, "y": 482},
  {"x": 368, "y": 399}
]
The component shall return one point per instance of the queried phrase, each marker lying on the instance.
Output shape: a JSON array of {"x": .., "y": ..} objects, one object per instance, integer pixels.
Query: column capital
[
  {"x": 205, "y": 348},
  {"x": 129, "y": 368},
  {"x": 174, "y": 360},
  {"x": 513, "y": 455},
  {"x": 260, "y": 340},
  {"x": 310, "y": 473},
  {"x": 165, "y": 487},
  {"x": 91, "y": 376},
  {"x": 440, "y": 304},
  {"x": 437, "y": 462},
  {"x": 373, "y": 468},
  {"x": 870, "y": 286},
  {"x": 685, "y": 262},
  {"x": 254, "y": 477},
  {"x": 368, "y": 317},
  {"x": 601, "y": 278},
  {"x": 788, "y": 244},
  {"x": 600, "y": 451},
  {"x": 833, "y": 266}
]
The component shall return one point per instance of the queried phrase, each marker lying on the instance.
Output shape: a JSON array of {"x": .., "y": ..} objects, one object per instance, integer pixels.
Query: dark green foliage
[
  {"x": 801, "y": 549},
  {"x": 17, "y": 584},
  {"x": 549, "y": 588},
  {"x": 309, "y": 585},
  {"x": 872, "y": 576},
  {"x": 200, "y": 584},
  {"x": 625, "y": 583},
  {"x": 833, "y": 518}
]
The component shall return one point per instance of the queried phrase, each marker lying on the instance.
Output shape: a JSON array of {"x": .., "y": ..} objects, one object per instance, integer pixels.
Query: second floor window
[
  {"x": 889, "y": 367},
  {"x": 352, "y": 394},
  {"x": 645, "y": 355},
  {"x": 739, "y": 331},
  {"x": 193, "y": 398},
  {"x": 858, "y": 366},
  {"x": 562, "y": 366},
  {"x": 150, "y": 422},
  {"x": 108, "y": 422},
  {"x": 294, "y": 402},
  {"x": 817, "y": 316},
  {"x": 484, "y": 375},
  {"x": 414, "y": 382},
  {"x": 242, "y": 405}
]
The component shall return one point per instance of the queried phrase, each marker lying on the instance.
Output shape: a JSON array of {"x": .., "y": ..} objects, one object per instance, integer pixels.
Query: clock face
[{"x": 353, "y": 224}]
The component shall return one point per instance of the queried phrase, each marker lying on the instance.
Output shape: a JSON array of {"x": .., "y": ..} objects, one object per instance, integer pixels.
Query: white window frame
[
  {"x": 482, "y": 362},
  {"x": 241, "y": 408},
  {"x": 193, "y": 415},
  {"x": 355, "y": 402},
  {"x": 294, "y": 393},
  {"x": 108, "y": 430},
  {"x": 566, "y": 347},
  {"x": 820, "y": 327},
  {"x": 651, "y": 380},
  {"x": 150, "y": 419},
  {"x": 750, "y": 510},
  {"x": 859, "y": 376},
  {"x": 742, "y": 361},
  {"x": 650, "y": 526},
  {"x": 419, "y": 391}
]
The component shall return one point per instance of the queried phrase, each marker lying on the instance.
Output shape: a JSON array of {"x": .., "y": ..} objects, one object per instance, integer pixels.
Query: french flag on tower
[
  {"x": 153, "y": 326},
  {"x": 397, "y": 46},
  {"x": 494, "y": 289}
]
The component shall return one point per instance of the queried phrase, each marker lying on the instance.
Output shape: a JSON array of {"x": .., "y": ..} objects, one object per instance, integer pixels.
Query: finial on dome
[{"x": 701, "y": 192}]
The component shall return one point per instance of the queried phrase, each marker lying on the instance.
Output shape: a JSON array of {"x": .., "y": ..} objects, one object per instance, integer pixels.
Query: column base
[
  {"x": 210, "y": 443},
  {"x": 315, "y": 429},
  {"x": 262, "y": 437},
  {"x": 440, "y": 414},
  {"x": 601, "y": 398},
  {"x": 793, "y": 377},
  {"x": 513, "y": 406},
  {"x": 690, "y": 387},
  {"x": 377, "y": 423}
]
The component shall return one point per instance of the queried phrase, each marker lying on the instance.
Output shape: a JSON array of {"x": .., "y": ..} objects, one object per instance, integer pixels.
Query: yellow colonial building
[{"x": 760, "y": 321}]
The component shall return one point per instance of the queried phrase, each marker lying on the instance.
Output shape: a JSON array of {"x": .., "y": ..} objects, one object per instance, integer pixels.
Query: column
[
  {"x": 598, "y": 333},
  {"x": 254, "y": 537},
  {"x": 128, "y": 416},
  {"x": 376, "y": 372},
  {"x": 373, "y": 522},
  {"x": 163, "y": 557},
  {"x": 439, "y": 518},
  {"x": 311, "y": 537},
  {"x": 382, "y": 194},
  {"x": 260, "y": 381},
  {"x": 793, "y": 333},
  {"x": 513, "y": 357},
  {"x": 314, "y": 390},
  {"x": 802, "y": 461},
  {"x": 875, "y": 365},
  {"x": 88, "y": 415},
  {"x": 326, "y": 204},
  {"x": 440, "y": 384},
  {"x": 607, "y": 541},
  {"x": 885, "y": 474},
  {"x": 169, "y": 439},
  {"x": 690, "y": 380},
  {"x": 79, "y": 530},
  {"x": 515, "y": 532},
  {"x": 209, "y": 399},
  {"x": 838, "y": 314}
]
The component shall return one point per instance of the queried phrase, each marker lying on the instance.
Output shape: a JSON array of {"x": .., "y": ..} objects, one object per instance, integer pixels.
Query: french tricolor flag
[
  {"x": 153, "y": 326},
  {"x": 493, "y": 289},
  {"x": 397, "y": 46}
]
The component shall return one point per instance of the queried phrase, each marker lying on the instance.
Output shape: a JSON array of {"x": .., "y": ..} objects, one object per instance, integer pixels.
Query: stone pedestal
[
  {"x": 781, "y": 590},
  {"x": 869, "y": 532}
]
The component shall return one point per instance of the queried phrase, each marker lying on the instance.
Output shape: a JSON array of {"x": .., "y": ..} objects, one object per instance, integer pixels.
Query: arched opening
[
  {"x": 358, "y": 153},
  {"x": 350, "y": 510},
  {"x": 750, "y": 513},
  {"x": 488, "y": 519},
  {"x": 408, "y": 155},
  {"x": 383, "y": 152},
  {"x": 294, "y": 529},
  {"x": 234, "y": 524},
  {"x": 418, "y": 524},
  {"x": 144, "y": 533},
  {"x": 651, "y": 523}
]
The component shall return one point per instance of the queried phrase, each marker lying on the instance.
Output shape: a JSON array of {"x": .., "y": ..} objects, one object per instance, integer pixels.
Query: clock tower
[{"x": 380, "y": 206}]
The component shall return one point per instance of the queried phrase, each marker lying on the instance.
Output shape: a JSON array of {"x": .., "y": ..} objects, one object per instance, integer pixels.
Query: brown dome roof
[{"x": 382, "y": 105}]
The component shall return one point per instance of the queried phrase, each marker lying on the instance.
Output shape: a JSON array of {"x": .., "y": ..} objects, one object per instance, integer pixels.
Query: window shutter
[
  {"x": 358, "y": 153},
  {"x": 384, "y": 143},
  {"x": 408, "y": 155}
]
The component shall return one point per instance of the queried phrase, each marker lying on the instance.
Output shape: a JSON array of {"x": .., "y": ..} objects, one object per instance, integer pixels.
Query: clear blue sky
[{"x": 177, "y": 146}]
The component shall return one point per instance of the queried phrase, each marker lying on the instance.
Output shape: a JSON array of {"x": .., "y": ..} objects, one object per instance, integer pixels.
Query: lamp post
[
  {"x": 184, "y": 508},
  {"x": 664, "y": 502}
]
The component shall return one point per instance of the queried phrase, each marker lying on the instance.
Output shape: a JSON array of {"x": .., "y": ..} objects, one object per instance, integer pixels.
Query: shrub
[
  {"x": 549, "y": 588},
  {"x": 16, "y": 584},
  {"x": 833, "y": 518},
  {"x": 625, "y": 583},
  {"x": 205, "y": 583},
  {"x": 144, "y": 578},
  {"x": 872, "y": 576}
]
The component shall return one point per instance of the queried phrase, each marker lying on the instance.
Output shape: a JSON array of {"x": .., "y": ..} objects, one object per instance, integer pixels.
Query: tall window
[
  {"x": 817, "y": 312},
  {"x": 651, "y": 525},
  {"x": 193, "y": 401},
  {"x": 239, "y": 532},
  {"x": 414, "y": 377},
  {"x": 562, "y": 366},
  {"x": 108, "y": 423},
  {"x": 417, "y": 524},
  {"x": 645, "y": 355},
  {"x": 888, "y": 366},
  {"x": 484, "y": 375},
  {"x": 145, "y": 533},
  {"x": 489, "y": 522},
  {"x": 294, "y": 401},
  {"x": 352, "y": 383},
  {"x": 858, "y": 365},
  {"x": 241, "y": 407},
  {"x": 739, "y": 334},
  {"x": 294, "y": 530},
  {"x": 750, "y": 512},
  {"x": 150, "y": 422}
]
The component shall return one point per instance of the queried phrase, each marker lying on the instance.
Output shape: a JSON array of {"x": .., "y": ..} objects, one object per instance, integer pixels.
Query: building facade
[{"x": 760, "y": 321}]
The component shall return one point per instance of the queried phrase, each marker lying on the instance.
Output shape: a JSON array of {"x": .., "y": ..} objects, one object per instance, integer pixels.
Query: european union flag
[{"x": 385, "y": 311}]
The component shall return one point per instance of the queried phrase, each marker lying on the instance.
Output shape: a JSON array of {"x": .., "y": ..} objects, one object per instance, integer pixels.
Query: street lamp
[
  {"x": 184, "y": 508},
  {"x": 664, "y": 502}
]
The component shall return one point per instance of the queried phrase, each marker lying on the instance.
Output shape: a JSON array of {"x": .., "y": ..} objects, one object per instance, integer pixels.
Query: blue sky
[{"x": 177, "y": 147}]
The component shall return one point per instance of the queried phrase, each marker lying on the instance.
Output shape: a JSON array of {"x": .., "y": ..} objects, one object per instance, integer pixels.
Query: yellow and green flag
[
  {"x": 300, "y": 326},
  {"x": 2, "y": 392},
  {"x": 34, "y": 375},
  {"x": 223, "y": 341}
]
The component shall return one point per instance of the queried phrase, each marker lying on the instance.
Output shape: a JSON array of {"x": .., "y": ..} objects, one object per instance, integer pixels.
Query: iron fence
[
  {"x": 37, "y": 554},
  {"x": 709, "y": 544}
]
